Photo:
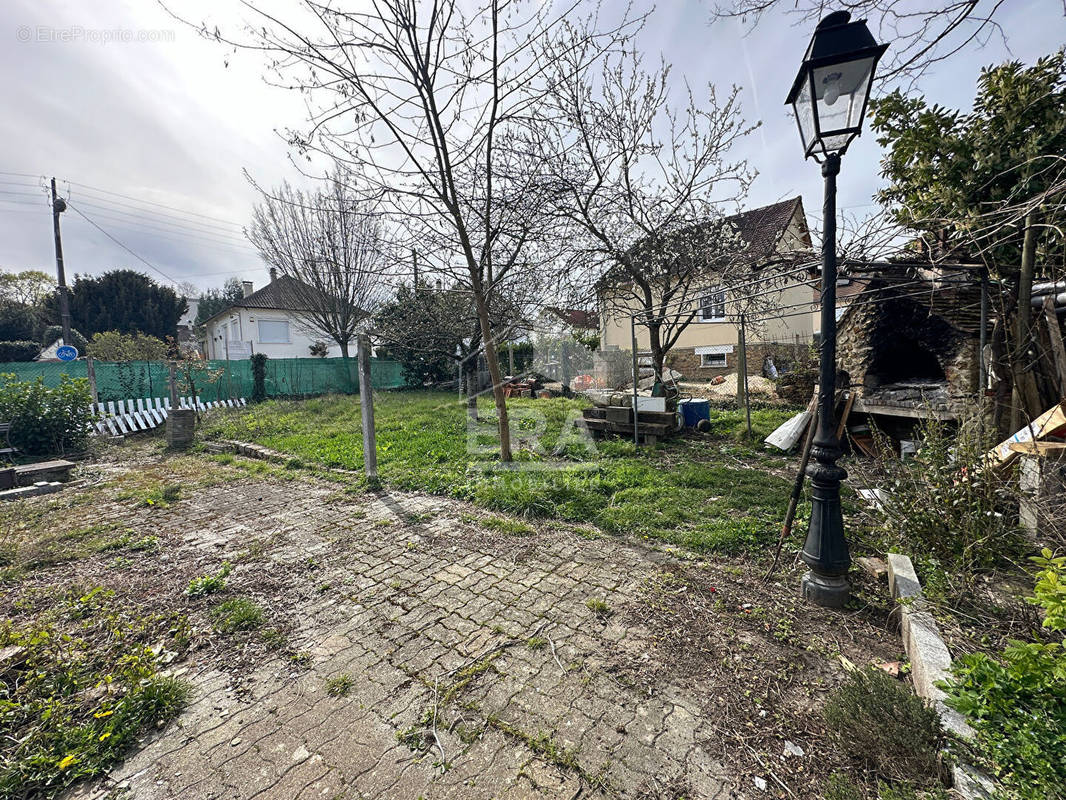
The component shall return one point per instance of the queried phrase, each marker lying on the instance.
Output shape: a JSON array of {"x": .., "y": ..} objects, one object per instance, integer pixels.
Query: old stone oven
[{"x": 911, "y": 348}]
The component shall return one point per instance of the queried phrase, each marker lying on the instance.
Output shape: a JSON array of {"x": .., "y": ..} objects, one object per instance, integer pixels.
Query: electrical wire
[
  {"x": 150, "y": 202},
  {"x": 121, "y": 244},
  {"x": 157, "y": 228}
]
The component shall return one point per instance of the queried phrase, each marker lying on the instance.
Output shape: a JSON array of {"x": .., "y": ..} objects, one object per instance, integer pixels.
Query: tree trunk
[
  {"x": 494, "y": 373},
  {"x": 348, "y": 363},
  {"x": 658, "y": 355}
]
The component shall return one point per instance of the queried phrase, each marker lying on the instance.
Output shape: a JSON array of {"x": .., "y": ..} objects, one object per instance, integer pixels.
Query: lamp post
[{"x": 829, "y": 97}]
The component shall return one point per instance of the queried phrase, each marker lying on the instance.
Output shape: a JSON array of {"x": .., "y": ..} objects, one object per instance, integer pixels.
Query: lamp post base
[{"x": 823, "y": 590}]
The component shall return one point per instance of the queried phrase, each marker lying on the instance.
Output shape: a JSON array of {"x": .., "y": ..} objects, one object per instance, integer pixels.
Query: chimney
[
  {"x": 247, "y": 286},
  {"x": 273, "y": 274}
]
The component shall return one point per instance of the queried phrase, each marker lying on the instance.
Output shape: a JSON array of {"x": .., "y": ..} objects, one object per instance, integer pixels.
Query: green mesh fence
[{"x": 217, "y": 380}]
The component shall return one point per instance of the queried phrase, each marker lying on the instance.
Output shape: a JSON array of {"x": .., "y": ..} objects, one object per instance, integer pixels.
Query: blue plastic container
[{"x": 694, "y": 410}]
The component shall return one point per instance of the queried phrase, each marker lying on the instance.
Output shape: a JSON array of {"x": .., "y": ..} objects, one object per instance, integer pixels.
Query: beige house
[{"x": 773, "y": 237}]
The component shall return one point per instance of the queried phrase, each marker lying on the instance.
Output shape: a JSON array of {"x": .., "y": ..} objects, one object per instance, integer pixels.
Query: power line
[
  {"x": 139, "y": 257},
  {"x": 150, "y": 202},
  {"x": 155, "y": 227},
  {"x": 117, "y": 204}
]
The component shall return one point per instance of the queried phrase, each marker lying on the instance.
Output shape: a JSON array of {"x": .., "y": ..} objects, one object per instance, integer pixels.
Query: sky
[{"x": 152, "y": 131}]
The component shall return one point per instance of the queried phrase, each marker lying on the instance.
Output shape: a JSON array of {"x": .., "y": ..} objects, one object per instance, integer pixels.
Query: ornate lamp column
[{"x": 829, "y": 98}]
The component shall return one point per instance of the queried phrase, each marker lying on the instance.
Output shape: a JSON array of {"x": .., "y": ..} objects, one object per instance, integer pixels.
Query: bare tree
[
  {"x": 328, "y": 247},
  {"x": 920, "y": 37},
  {"x": 643, "y": 186},
  {"x": 424, "y": 101}
]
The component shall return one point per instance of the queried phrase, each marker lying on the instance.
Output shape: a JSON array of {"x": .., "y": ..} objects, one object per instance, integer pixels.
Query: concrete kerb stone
[
  {"x": 930, "y": 663},
  {"x": 247, "y": 450},
  {"x": 38, "y": 488}
]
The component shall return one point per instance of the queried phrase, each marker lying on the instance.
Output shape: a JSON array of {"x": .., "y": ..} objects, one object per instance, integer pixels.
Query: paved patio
[{"x": 481, "y": 664}]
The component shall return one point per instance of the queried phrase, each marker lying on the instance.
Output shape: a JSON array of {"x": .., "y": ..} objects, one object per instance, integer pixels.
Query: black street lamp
[{"x": 829, "y": 97}]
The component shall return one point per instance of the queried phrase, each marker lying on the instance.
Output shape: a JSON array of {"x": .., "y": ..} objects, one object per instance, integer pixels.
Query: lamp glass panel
[
  {"x": 840, "y": 93},
  {"x": 804, "y": 110}
]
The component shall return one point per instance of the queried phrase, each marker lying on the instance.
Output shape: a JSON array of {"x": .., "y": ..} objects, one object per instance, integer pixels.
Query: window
[
  {"x": 712, "y": 306},
  {"x": 713, "y": 360},
  {"x": 274, "y": 331}
]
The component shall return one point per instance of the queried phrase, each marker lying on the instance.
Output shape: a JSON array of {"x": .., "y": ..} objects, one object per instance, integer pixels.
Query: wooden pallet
[{"x": 649, "y": 432}]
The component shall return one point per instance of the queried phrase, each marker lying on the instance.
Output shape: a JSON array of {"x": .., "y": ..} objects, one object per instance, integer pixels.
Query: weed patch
[
  {"x": 82, "y": 684},
  {"x": 340, "y": 685},
  {"x": 238, "y": 614},
  {"x": 209, "y": 584}
]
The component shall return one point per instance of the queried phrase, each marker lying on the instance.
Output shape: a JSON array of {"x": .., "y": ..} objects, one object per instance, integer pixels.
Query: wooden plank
[
  {"x": 111, "y": 408},
  {"x": 111, "y": 426},
  {"x": 1058, "y": 350},
  {"x": 1039, "y": 448},
  {"x": 844, "y": 416},
  {"x": 122, "y": 426}
]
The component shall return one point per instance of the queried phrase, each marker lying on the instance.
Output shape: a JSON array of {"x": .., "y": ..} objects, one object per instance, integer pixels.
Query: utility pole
[
  {"x": 414, "y": 262},
  {"x": 59, "y": 205}
]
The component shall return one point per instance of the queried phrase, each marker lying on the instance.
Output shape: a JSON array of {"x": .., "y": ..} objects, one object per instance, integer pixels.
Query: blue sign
[{"x": 66, "y": 352}]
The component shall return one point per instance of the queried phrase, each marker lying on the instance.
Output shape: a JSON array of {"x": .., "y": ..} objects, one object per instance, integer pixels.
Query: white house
[{"x": 265, "y": 321}]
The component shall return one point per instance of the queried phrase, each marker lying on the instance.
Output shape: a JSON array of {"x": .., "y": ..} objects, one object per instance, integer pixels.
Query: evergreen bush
[{"x": 46, "y": 420}]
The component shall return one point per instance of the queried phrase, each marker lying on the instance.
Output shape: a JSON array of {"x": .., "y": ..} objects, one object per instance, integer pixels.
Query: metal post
[
  {"x": 982, "y": 367},
  {"x": 366, "y": 405},
  {"x": 826, "y": 550},
  {"x": 636, "y": 376},
  {"x": 58, "y": 206}
]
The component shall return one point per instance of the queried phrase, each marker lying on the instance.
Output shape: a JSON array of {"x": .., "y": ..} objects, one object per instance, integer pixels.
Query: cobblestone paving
[{"x": 481, "y": 647}]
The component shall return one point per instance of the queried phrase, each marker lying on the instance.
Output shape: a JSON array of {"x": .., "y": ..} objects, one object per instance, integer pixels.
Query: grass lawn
[{"x": 718, "y": 491}]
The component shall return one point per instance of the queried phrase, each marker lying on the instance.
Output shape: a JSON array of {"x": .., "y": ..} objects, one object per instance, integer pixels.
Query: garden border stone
[
  {"x": 38, "y": 488},
  {"x": 931, "y": 662}
]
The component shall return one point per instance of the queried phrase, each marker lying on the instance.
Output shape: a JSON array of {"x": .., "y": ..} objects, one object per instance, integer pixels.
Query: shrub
[
  {"x": 19, "y": 351},
  {"x": 945, "y": 511},
  {"x": 55, "y": 332},
  {"x": 259, "y": 370},
  {"x": 880, "y": 722},
  {"x": 115, "y": 346},
  {"x": 1017, "y": 704},
  {"x": 319, "y": 349},
  {"x": 46, "y": 420}
]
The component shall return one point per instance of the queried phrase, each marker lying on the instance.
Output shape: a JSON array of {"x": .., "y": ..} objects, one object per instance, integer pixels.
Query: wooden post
[
  {"x": 366, "y": 405},
  {"x": 1025, "y": 400},
  {"x": 1058, "y": 352},
  {"x": 90, "y": 371},
  {"x": 173, "y": 381},
  {"x": 742, "y": 368}
]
